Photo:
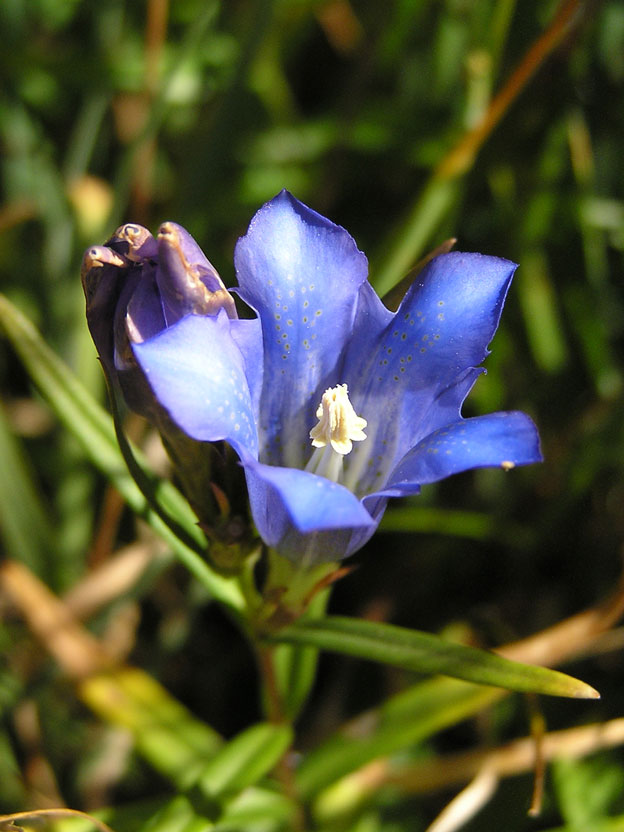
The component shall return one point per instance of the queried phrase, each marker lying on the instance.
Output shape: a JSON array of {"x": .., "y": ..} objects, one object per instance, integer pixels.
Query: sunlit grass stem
[{"x": 440, "y": 192}]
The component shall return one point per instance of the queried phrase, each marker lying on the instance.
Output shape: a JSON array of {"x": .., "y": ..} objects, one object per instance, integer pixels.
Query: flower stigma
[{"x": 338, "y": 428}]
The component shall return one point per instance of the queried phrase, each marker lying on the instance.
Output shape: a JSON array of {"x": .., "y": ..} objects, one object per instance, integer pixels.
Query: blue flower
[{"x": 333, "y": 403}]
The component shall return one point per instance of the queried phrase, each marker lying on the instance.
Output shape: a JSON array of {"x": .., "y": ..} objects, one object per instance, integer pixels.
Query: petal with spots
[
  {"x": 368, "y": 467},
  {"x": 197, "y": 374},
  {"x": 247, "y": 335},
  {"x": 301, "y": 274},
  {"x": 497, "y": 440},
  {"x": 415, "y": 368},
  {"x": 455, "y": 306}
]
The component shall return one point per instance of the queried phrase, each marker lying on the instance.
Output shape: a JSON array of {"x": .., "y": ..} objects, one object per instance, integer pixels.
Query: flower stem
[
  {"x": 273, "y": 704},
  {"x": 275, "y": 712}
]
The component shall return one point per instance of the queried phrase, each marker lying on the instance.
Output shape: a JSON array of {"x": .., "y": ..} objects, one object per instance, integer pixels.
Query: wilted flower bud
[{"x": 136, "y": 286}]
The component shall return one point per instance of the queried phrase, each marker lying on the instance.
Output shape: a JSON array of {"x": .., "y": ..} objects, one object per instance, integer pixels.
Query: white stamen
[
  {"x": 338, "y": 428},
  {"x": 339, "y": 425}
]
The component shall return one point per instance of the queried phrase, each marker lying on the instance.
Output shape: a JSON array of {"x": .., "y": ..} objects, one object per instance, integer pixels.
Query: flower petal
[
  {"x": 456, "y": 306},
  {"x": 197, "y": 374},
  {"x": 247, "y": 336},
  {"x": 419, "y": 364},
  {"x": 305, "y": 517},
  {"x": 301, "y": 273},
  {"x": 143, "y": 313},
  {"x": 187, "y": 280},
  {"x": 504, "y": 439},
  {"x": 104, "y": 275},
  {"x": 138, "y": 316}
]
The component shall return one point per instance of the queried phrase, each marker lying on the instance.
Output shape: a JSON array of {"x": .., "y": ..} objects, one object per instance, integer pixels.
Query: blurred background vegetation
[{"x": 378, "y": 115}]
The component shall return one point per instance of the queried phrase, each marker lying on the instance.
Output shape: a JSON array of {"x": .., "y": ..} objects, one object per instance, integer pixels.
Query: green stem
[
  {"x": 437, "y": 197},
  {"x": 273, "y": 704},
  {"x": 276, "y": 713}
]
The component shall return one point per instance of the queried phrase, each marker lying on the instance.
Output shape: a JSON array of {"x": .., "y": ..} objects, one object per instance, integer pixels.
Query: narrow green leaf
[
  {"x": 166, "y": 734},
  {"x": 412, "y": 238},
  {"x": 93, "y": 428},
  {"x": 219, "y": 780},
  {"x": 258, "y": 805},
  {"x": 407, "y": 718},
  {"x": 539, "y": 304},
  {"x": 127, "y": 817},
  {"x": 243, "y": 761},
  {"x": 587, "y": 790},
  {"x": 25, "y": 525},
  {"x": 13, "y": 788},
  {"x": 154, "y": 489},
  {"x": 426, "y": 653},
  {"x": 295, "y": 666},
  {"x": 193, "y": 39},
  {"x": 254, "y": 809},
  {"x": 175, "y": 816}
]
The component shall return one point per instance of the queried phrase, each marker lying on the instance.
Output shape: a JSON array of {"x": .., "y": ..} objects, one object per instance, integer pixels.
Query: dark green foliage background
[{"x": 248, "y": 97}]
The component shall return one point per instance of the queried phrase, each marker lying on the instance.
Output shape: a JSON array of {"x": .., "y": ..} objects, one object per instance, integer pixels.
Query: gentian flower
[{"x": 332, "y": 403}]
